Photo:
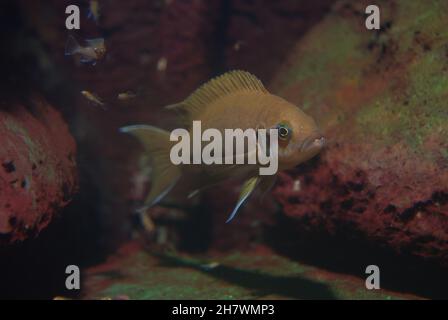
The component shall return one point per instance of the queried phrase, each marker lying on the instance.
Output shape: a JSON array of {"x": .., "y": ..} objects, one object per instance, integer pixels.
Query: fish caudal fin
[
  {"x": 246, "y": 190},
  {"x": 164, "y": 174},
  {"x": 72, "y": 46}
]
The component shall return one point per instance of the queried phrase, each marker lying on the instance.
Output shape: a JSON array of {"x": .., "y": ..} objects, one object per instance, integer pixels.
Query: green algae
[
  {"x": 410, "y": 61},
  {"x": 419, "y": 112},
  {"x": 237, "y": 276},
  {"x": 319, "y": 56},
  {"x": 19, "y": 130}
]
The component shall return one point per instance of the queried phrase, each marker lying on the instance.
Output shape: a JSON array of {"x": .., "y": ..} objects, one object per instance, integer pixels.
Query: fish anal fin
[{"x": 246, "y": 190}]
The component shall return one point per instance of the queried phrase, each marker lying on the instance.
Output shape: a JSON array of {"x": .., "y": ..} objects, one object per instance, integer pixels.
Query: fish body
[
  {"x": 94, "y": 10},
  {"x": 234, "y": 100},
  {"x": 93, "y": 98},
  {"x": 94, "y": 50},
  {"x": 124, "y": 96}
]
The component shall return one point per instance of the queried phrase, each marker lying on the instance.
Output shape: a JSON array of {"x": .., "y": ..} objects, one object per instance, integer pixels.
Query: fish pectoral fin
[
  {"x": 246, "y": 190},
  {"x": 157, "y": 144}
]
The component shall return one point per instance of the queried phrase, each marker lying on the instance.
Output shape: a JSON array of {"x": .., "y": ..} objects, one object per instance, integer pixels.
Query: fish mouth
[{"x": 314, "y": 143}]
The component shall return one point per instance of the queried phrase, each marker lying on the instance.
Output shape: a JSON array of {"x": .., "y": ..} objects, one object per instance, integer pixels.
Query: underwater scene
[{"x": 224, "y": 150}]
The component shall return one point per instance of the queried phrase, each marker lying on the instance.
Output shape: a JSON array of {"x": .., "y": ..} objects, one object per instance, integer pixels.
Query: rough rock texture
[
  {"x": 260, "y": 34},
  {"x": 381, "y": 99},
  {"x": 38, "y": 173}
]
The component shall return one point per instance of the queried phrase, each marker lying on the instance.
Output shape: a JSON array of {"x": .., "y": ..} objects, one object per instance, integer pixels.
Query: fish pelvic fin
[
  {"x": 72, "y": 46},
  {"x": 246, "y": 190},
  {"x": 165, "y": 174},
  {"x": 216, "y": 88}
]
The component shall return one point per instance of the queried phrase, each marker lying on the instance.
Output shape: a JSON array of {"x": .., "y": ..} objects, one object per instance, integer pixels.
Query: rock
[
  {"x": 256, "y": 274},
  {"x": 380, "y": 97},
  {"x": 261, "y": 34},
  {"x": 38, "y": 173}
]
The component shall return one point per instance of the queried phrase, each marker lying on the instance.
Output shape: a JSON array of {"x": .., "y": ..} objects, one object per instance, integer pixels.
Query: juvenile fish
[
  {"x": 93, "y": 98},
  {"x": 234, "y": 100},
  {"x": 94, "y": 51},
  {"x": 124, "y": 96}
]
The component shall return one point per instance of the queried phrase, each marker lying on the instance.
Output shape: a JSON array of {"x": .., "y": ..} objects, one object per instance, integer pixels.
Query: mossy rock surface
[
  {"x": 136, "y": 274},
  {"x": 381, "y": 97}
]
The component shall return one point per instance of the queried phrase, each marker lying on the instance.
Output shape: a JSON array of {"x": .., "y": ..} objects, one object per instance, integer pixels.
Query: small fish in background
[
  {"x": 93, "y": 98},
  {"x": 94, "y": 50},
  {"x": 236, "y": 99},
  {"x": 237, "y": 46},
  {"x": 94, "y": 11},
  {"x": 162, "y": 64},
  {"x": 125, "y": 96},
  {"x": 296, "y": 185}
]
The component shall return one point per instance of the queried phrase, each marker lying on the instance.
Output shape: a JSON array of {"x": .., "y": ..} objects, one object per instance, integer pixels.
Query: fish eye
[{"x": 284, "y": 131}]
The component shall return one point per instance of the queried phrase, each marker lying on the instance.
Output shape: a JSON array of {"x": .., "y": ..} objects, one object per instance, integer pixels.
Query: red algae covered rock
[
  {"x": 380, "y": 98},
  {"x": 38, "y": 172}
]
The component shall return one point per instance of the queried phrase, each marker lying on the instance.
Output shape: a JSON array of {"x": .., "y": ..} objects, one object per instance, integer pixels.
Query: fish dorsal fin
[{"x": 223, "y": 85}]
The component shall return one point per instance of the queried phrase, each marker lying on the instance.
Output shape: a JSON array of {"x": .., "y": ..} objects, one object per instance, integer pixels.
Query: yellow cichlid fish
[{"x": 236, "y": 99}]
